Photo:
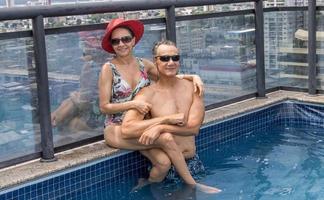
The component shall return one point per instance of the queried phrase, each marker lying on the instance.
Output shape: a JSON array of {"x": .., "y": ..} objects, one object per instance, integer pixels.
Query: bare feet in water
[
  {"x": 200, "y": 187},
  {"x": 141, "y": 183},
  {"x": 207, "y": 189}
]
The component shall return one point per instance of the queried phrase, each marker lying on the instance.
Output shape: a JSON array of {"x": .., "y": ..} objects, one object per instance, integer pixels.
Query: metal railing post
[
  {"x": 42, "y": 90},
  {"x": 259, "y": 43},
  {"x": 312, "y": 47},
  {"x": 171, "y": 24}
]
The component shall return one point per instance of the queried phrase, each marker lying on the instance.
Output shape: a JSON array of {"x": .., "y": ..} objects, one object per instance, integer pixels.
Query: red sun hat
[{"x": 136, "y": 26}]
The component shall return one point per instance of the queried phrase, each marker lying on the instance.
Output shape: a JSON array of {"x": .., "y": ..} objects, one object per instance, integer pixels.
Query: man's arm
[
  {"x": 134, "y": 124},
  {"x": 195, "y": 119}
]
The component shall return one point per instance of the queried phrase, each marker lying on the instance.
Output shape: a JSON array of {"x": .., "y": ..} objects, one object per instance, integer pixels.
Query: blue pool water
[
  {"x": 281, "y": 163},
  {"x": 273, "y": 153}
]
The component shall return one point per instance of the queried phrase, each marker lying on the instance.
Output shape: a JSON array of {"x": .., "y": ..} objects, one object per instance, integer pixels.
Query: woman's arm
[
  {"x": 105, "y": 88},
  {"x": 196, "y": 80},
  {"x": 151, "y": 69},
  {"x": 134, "y": 124}
]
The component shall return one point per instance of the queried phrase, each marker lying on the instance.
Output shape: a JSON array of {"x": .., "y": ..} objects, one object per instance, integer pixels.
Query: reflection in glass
[
  {"x": 320, "y": 48},
  {"x": 74, "y": 63},
  {"x": 19, "y": 125},
  {"x": 286, "y": 52}
]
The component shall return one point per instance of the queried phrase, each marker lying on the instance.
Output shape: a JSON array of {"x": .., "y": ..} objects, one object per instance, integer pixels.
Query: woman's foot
[
  {"x": 141, "y": 183},
  {"x": 207, "y": 189}
]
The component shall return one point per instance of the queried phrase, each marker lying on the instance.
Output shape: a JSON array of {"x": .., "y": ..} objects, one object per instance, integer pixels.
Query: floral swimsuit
[{"x": 122, "y": 92}]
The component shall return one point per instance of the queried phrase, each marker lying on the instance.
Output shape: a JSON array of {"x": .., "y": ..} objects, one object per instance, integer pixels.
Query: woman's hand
[
  {"x": 142, "y": 106},
  {"x": 198, "y": 84},
  {"x": 149, "y": 135}
]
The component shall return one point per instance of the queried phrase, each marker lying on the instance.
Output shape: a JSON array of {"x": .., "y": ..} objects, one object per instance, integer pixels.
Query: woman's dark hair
[{"x": 128, "y": 29}]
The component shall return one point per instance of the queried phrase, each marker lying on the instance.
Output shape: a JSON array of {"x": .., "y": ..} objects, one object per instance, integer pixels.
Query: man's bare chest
[{"x": 170, "y": 103}]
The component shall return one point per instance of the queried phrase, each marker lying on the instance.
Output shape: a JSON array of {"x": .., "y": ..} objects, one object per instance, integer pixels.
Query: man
[{"x": 168, "y": 96}]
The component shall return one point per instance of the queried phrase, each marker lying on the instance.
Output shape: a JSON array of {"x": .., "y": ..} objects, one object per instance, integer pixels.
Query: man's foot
[
  {"x": 207, "y": 189},
  {"x": 141, "y": 183}
]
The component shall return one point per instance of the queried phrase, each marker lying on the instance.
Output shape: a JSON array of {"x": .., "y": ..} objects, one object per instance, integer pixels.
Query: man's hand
[
  {"x": 176, "y": 119},
  {"x": 150, "y": 135}
]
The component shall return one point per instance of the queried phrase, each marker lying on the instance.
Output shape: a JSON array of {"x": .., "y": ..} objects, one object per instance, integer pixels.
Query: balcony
[{"x": 240, "y": 50}]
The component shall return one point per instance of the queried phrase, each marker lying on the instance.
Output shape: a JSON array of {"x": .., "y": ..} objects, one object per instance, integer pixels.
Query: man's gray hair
[{"x": 157, "y": 44}]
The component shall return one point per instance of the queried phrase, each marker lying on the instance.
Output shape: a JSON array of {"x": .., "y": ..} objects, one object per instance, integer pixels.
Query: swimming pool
[{"x": 272, "y": 153}]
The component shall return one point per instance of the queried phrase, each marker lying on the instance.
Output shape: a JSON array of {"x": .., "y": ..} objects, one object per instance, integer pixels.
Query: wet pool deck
[{"x": 35, "y": 169}]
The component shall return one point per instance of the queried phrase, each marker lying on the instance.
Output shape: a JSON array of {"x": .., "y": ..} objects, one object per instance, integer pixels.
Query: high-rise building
[{"x": 274, "y": 3}]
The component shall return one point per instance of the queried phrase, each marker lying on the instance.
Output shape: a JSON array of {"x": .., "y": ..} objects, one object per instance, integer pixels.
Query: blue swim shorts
[{"x": 195, "y": 166}]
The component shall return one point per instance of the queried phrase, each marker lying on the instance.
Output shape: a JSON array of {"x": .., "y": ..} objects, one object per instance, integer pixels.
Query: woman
[{"x": 120, "y": 80}]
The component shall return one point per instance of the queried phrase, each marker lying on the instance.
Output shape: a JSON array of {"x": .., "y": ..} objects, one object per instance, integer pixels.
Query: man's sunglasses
[
  {"x": 125, "y": 39},
  {"x": 174, "y": 58}
]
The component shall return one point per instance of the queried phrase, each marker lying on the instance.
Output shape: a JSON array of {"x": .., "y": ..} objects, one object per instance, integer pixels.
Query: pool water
[{"x": 282, "y": 163}]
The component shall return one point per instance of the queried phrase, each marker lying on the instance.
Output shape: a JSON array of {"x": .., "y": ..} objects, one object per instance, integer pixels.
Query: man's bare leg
[{"x": 167, "y": 144}]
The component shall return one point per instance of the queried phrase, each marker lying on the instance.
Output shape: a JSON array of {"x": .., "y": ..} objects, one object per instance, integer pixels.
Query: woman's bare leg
[
  {"x": 64, "y": 112},
  {"x": 159, "y": 159},
  {"x": 160, "y": 167},
  {"x": 166, "y": 143},
  {"x": 160, "y": 164}
]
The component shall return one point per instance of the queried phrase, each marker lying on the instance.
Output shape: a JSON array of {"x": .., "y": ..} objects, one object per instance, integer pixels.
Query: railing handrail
[{"x": 102, "y": 7}]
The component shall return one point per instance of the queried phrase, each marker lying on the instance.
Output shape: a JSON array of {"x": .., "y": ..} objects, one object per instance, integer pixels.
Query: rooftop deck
[{"x": 241, "y": 54}]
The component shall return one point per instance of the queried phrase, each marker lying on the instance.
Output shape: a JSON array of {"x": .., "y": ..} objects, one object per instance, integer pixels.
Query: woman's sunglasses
[
  {"x": 174, "y": 58},
  {"x": 125, "y": 39}
]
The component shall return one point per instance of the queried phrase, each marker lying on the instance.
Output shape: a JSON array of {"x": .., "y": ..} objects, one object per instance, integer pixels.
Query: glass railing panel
[
  {"x": 152, "y": 34},
  {"x": 320, "y": 49},
  {"x": 286, "y": 49},
  {"x": 222, "y": 51},
  {"x": 19, "y": 126},
  {"x": 74, "y": 63}
]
